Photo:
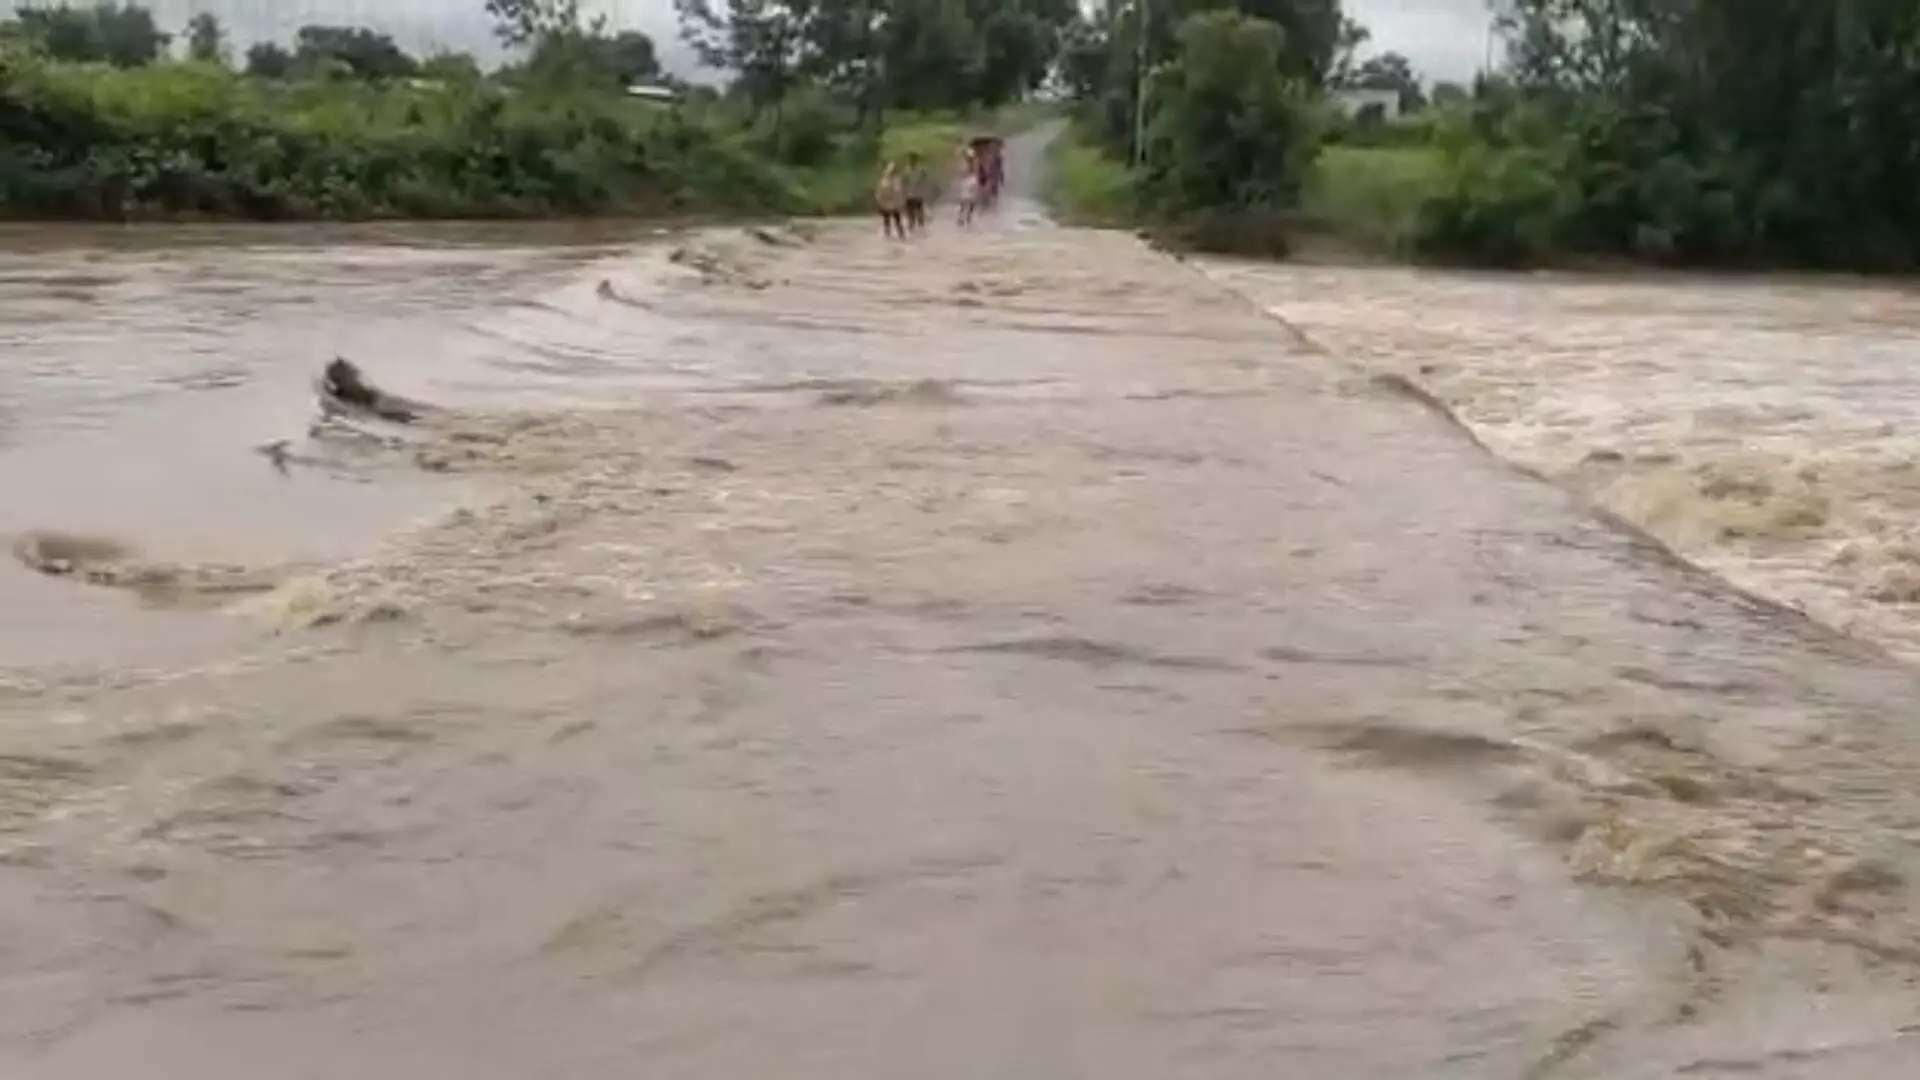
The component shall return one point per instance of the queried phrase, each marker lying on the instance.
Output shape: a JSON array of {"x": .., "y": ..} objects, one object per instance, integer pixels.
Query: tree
[
  {"x": 1103, "y": 54},
  {"x": 450, "y": 67},
  {"x": 206, "y": 39},
  {"x": 1450, "y": 93},
  {"x": 632, "y": 57},
  {"x": 1228, "y": 127},
  {"x": 928, "y": 54},
  {"x": 1390, "y": 71},
  {"x": 1311, "y": 34},
  {"x": 585, "y": 59},
  {"x": 523, "y": 23},
  {"x": 269, "y": 60},
  {"x": 1019, "y": 42},
  {"x": 1705, "y": 130},
  {"x": 882, "y": 54},
  {"x": 564, "y": 47},
  {"x": 110, "y": 33},
  {"x": 1084, "y": 55},
  {"x": 762, "y": 42},
  {"x": 1352, "y": 38},
  {"x": 356, "y": 50}
]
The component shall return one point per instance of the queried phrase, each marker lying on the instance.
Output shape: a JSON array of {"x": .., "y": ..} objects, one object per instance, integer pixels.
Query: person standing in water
[
  {"x": 889, "y": 196},
  {"x": 919, "y": 192},
  {"x": 969, "y": 186}
]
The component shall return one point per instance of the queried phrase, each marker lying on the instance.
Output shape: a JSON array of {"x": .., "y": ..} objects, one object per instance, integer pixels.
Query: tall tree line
[
  {"x": 1313, "y": 45},
  {"x": 1714, "y": 129},
  {"x": 555, "y": 40},
  {"x": 918, "y": 54}
]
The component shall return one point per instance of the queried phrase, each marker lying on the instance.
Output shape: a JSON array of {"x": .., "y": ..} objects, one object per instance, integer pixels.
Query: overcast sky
[{"x": 1444, "y": 38}]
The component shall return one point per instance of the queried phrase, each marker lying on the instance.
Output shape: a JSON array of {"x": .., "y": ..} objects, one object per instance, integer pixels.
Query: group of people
[{"x": 903, "y": 194}]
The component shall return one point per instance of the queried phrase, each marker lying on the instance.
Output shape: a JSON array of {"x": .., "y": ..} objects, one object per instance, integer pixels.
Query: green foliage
[
  {"x": 1086, "y": 185},
  {"x": 1494, "y": 206},
  {"x": 451, "y": 68},
  {"x": 1724, "y": 132},
  {"x": 565, "y": 50},
  {"x": 1232, "y": 131},
  {"x": 123, "y": 35},
  {"x": 1228, "y": 130},
  {"x": 345, "y": 124},
  {"x": 843, "y": 181},
  {"x": 269, "y": 60},
  {"x": 522, "y": 23},
  {"x": 881, "y": 55},
  {"x": 1710, "y": 132},
  {"x": 1389, "y": 71},
  {"x": 1103, "y": 53},
  {"x": 349, "y": 51},
  {"x": 206, "y": 39},
  {"x": 1373, "y": 197},
  {"x": 90, "y": 141},
  {"x": 805, "y": 130}
]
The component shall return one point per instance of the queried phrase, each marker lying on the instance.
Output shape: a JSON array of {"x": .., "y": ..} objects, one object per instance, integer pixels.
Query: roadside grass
[
  {"x": 1370, "y": 197},
  {"x": 843, "y": 184},
  {"x": 1084, "y": 185},
  {"x": 1358, "y": 199}
]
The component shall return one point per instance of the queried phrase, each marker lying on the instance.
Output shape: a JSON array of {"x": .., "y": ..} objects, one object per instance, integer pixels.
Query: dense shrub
[
  {"x": 95, "y": 141},
  {"x": 1230, "y": 139},
  {"x": 1227, "y": 131}
]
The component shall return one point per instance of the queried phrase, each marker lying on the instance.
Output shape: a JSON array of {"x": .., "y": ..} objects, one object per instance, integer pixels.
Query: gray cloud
[{"x": 1444, "y": 38}]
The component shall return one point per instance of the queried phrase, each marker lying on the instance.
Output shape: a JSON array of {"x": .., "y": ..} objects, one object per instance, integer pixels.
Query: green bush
[
  {"x": 1249, "y": 233},
  {"x": 1494, "y": 207},
  {"x": 844, "y": 182},
  {"x": 804, "y": 131},
  {"x": 1085, "y": 185},
  {"x": 1227, "y": 131},
  {"x": 1523, "y": 184},
  {"x": 1373, "y": 196},
  {"x": 186, "y": 139}
]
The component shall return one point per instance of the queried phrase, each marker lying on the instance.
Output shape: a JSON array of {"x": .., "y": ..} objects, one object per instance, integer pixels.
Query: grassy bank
[
  {"x": 173, "y": 140},
  {"x": 1366, "y": 199},
  {"x": 842, "y": 182},
  {"x": 1085, "y": 185},
  {"x": 1370, "y": 198},
  {"x": 199, "y": 141}
]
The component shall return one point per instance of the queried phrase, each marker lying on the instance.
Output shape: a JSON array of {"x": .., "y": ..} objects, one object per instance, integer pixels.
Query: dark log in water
[{"x": 342, "y": 385}]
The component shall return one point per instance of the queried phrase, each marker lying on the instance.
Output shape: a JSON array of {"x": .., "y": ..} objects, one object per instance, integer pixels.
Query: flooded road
[
  {"x": 1010, "y": 654},
  {"x": 1766, "y": 428},
  {"x": 146, "y": 365}
]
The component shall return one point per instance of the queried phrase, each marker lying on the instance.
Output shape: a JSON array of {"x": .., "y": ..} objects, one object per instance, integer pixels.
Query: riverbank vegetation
[
  {"x": 105, "y": 114},
  {"x": 1713, "y": 133}
]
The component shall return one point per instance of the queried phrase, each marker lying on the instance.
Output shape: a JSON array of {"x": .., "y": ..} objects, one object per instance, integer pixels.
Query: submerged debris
[{"x": 343, "y": 386}]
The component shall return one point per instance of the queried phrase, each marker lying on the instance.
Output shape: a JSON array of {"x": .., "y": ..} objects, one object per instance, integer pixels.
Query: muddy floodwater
[
  {"x": 1768, "y": 429},
  {"x": 1013, "y": 653}
]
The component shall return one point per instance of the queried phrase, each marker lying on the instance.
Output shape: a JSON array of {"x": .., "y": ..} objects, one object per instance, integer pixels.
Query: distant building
[
  {"x": 665, "y": 95},
  {"x": 1354, "y": 102}
]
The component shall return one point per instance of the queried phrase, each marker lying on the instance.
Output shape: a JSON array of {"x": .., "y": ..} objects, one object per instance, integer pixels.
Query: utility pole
[{"x": 1140, "y": 82}]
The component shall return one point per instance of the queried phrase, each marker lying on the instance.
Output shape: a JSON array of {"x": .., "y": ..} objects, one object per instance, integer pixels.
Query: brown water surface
[{"x": 1008, "y": 654}]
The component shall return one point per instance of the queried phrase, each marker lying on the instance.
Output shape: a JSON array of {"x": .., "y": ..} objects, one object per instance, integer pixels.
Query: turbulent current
[
  {"x": 1011, "y": 653},
  {"x": 1766, "y": 429}
]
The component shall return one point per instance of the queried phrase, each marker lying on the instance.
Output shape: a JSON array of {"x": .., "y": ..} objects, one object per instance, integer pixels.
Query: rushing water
[
  {"x": 805, "y": 655},
  {"x": 1765, "y": 428},
  {"x": 146, "y": 367}
]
